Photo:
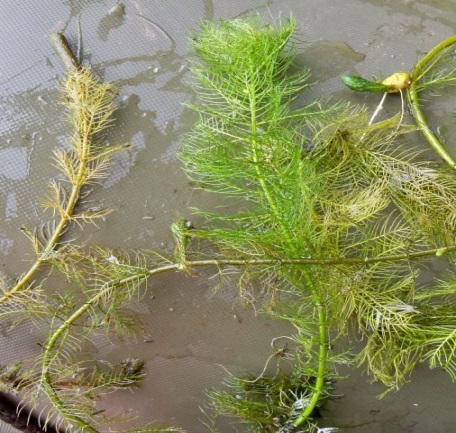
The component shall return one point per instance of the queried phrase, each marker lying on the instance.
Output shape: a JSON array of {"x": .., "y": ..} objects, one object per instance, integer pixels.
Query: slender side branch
[
  {"x": 311, "y": 261},
  {"x": 412, "y": 96}
]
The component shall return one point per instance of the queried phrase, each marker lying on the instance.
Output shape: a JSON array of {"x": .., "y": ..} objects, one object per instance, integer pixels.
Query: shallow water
[{"x": 189, "y": 331}]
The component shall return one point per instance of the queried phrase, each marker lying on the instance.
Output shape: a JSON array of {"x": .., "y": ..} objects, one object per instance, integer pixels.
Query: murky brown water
[{"x": 189, "y": 330}]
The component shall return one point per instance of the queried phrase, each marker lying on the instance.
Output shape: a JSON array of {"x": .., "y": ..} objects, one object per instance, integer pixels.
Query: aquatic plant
[
  {"x": 334, "y": 216},
  {"x": 325, "y": 184}
]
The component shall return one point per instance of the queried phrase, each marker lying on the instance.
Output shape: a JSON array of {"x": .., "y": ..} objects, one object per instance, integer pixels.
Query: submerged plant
[
  {"x": 356, "y": 209},
  {"x": 333, "y": 215}
]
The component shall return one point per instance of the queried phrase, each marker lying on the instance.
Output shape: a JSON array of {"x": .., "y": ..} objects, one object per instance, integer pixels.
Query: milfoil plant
[{"x": 333, "y": 216}]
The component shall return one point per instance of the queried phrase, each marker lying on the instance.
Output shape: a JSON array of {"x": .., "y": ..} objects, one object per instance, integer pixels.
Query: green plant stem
[
  {"x": 66, "y": 413},
  {"x": 322, "y": 355},
  {"x": 108, "y": 287},
  {"x": 317, "y": 261},
  {"x": 412, "y": 96},
  {"x": 322, "y": 331},
  {"x": 321, "y": 371}
]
